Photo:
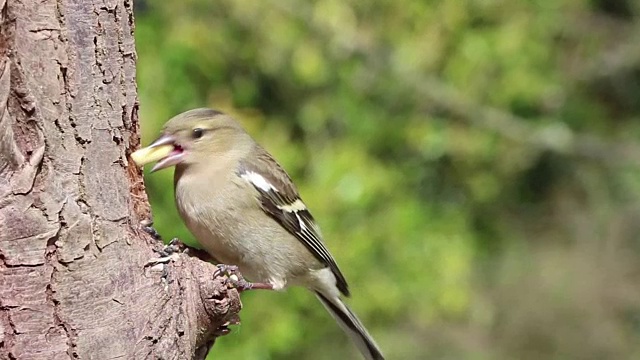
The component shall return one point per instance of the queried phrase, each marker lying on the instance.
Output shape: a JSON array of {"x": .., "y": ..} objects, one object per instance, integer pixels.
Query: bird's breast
[
  {"x": 209, "y": 209},
  {"x": 228, "y": 222}
]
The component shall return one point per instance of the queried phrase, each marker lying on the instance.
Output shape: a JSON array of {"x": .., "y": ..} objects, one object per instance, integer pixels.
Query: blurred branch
[
  {"x": 620, "y": 55},
  {"x": 555, "y": 137},
  {"x": 622, "y": 59}
]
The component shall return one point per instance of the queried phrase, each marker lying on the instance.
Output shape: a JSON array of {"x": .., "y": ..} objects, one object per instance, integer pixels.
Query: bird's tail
[{"x": 349, "y": 322}]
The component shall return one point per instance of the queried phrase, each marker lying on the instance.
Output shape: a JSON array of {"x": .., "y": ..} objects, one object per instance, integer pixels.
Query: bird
[{"x": 244, "y": 209}]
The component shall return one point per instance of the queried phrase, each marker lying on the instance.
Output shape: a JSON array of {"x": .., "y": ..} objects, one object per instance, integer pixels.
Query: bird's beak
[{"x": 164, "y": 150}]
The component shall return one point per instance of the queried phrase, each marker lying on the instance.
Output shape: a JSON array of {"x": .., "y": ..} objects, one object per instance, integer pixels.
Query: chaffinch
[{"x": 244, "y": 209}]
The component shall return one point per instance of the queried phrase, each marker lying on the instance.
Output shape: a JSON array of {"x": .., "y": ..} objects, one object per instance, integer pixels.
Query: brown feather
[{"x": 299, "y": 223}]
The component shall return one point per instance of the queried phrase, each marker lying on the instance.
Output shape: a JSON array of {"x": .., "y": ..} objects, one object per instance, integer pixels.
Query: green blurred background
[{"x": 473, "y": 164}]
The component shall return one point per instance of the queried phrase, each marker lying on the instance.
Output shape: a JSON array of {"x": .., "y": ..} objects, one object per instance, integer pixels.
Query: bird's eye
[{"x": 197, "y": 133}]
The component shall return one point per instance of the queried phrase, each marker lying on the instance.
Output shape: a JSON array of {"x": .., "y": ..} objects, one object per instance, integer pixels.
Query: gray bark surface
[{"x": 73, "y": 281}]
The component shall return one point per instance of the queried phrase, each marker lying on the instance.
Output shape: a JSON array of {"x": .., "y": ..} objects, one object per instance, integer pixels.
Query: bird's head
[{"x": 192, "y": 138}]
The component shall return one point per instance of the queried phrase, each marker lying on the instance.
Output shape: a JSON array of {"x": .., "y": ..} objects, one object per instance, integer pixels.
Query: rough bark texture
[{"x": 72, "y": 278}]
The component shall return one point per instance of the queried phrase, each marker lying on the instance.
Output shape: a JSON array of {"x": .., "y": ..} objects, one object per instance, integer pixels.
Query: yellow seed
[{"x": 151, "y": 154}]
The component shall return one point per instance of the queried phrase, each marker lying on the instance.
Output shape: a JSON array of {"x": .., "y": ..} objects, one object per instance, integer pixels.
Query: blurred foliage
[{"x": 473, "y": 164}]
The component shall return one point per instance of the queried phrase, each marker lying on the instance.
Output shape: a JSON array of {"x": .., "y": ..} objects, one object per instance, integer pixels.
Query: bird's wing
[{"x": 280, "y": 200}]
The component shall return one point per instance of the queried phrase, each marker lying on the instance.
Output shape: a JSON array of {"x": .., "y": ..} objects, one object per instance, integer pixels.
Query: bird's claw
[
  {"x": 222, "y": 330},
  {"x": 168, "y": 253},
  {"x": 162, "y": 260},
  {"x": 228, "y": 270},
  {"x": 147, "y": 226},
  {"x": 234, "y": 279},
  {"x": 239, "y": 284},
  {"x": 175, "y": 246},
  {"x": 232, "y": 275}
]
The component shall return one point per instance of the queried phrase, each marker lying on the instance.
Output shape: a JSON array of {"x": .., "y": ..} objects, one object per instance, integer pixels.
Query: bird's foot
[
  {"x": 237, "y": 281},
  {"x": 168, "y": 253},
  {"x": 228, "y": 270},
  {"x": 244, "y": 285},
  {"x": 222, "y": 330},
  {"x": 175, "y": 246},
  {"x": 147, "y": 226}
]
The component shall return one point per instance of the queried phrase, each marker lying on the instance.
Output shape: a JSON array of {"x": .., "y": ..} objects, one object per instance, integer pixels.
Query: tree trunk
[{"x": 73, "y": 281}]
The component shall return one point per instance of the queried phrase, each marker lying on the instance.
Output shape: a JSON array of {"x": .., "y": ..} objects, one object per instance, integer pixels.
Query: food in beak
[
  {"x": 165, "y": 151},
  {"x": 151, "y": 153}
]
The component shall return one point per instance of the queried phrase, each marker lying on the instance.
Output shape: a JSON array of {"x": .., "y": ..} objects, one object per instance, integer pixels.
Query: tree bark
[{"x": 73, "y": 280}]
